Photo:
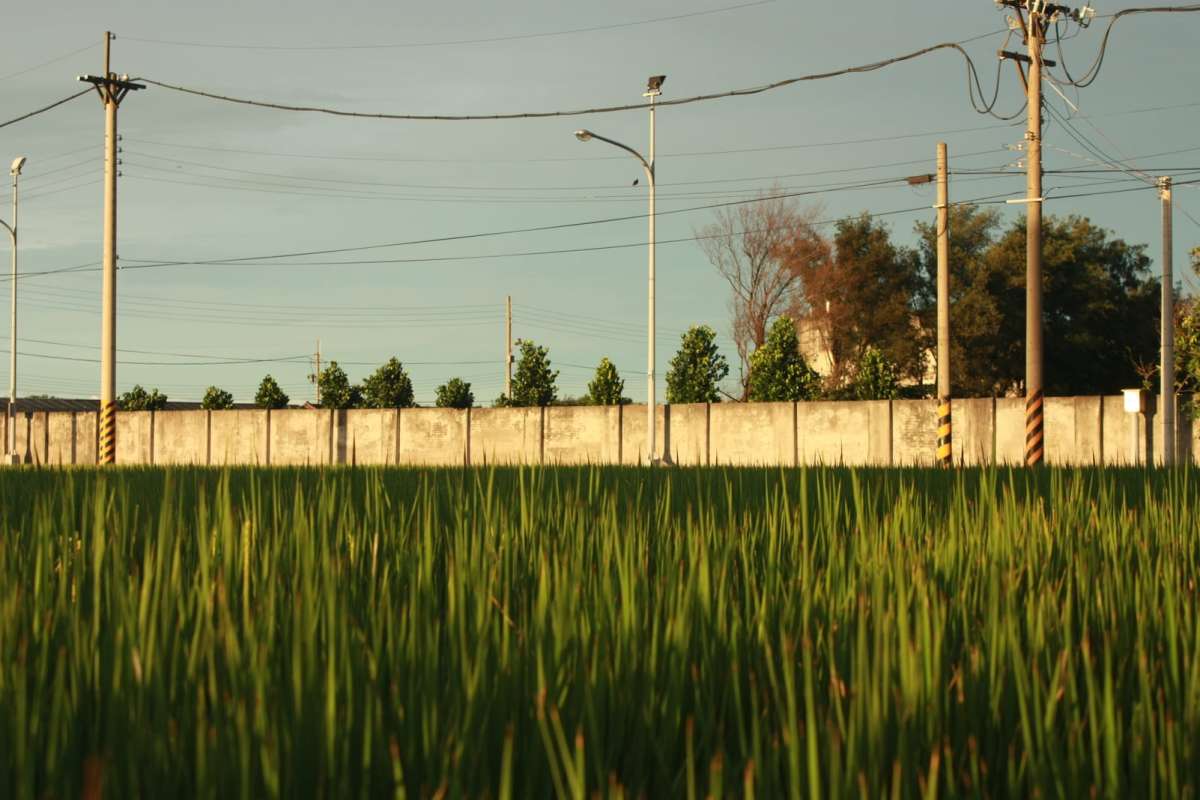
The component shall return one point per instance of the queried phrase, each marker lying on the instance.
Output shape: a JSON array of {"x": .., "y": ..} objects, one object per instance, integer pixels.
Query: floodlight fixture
[
  {"x": 654, "y": 85},
  {"x": 17, "y": 163}
]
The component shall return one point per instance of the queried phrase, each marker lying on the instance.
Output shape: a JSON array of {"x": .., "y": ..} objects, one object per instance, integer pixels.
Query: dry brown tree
[{"x": 747, "y": 245}]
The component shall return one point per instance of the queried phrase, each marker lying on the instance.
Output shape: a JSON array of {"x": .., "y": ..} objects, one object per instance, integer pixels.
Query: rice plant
[{"x": 581, "y": 632}]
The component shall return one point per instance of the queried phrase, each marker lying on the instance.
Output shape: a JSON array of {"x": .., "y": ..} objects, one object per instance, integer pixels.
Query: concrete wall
[
  {"x": 237, "y": 437},
  {"x": 1079, "y": 431}
]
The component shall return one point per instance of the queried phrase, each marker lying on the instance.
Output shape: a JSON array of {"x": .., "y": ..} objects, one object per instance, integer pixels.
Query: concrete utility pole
[
  {"x": 316, "y": 376},
  {"x": 1034, "y": 354},
  {"x": 1040, "y": 15},
  {"x": 653, "y": 90},
  {"x": 945, "y": 454},
  {"x": 1167, "y": 367},
  {"x": 112, "y": 90},
  {"x": 508, "y": 355},
  {"x": 11, "y": 444}
]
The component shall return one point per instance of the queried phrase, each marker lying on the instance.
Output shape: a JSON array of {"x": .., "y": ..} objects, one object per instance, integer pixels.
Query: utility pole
[
  {"x": 1167, "y": 367},
  {"x": 11, "y": 443},
  {"x": 315, "y": 377},
  {"x": 945, "y": 452},
  {"x": 112, "y": 90},
  {"x": 508, "y": 356},
  {"x": 653, "y": 90},
  {"x": 1040, "y": 15},
  {"x": 1034, "y": 356}
]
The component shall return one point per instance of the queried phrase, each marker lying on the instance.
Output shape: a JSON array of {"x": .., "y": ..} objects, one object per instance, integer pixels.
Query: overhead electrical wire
[
  {"x": 54, "y": 60},
  {"x": 44, "y": 109},
  {"x": 454, "y": 42},
  {"x": 974, "y": 87},
  {"x": 1089, "y": 77}
]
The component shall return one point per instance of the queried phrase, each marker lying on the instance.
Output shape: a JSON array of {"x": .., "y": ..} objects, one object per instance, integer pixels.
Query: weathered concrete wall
[
  {"x": 433, "y": 436},
  {"x": 578, "y": 435},
  {"x": 1079, "y": 431},
  {"x": 1010, "y": 430},
  {"x": 686, "y": 436},
  {"x": 973, "y": 427},
  {"x": 238, "y": 437},
  {"x": 833, "y": 433},
  {"x": 366, "y": 436},
  {"x": 301, "y": 436},
  {"x": 914, "y": 432},
  {"x": 180, "y": 437},
  {"x": 135, "y": 437},
  {"x": 754, "y": 434},
  {"x": 506, "y": 436}
]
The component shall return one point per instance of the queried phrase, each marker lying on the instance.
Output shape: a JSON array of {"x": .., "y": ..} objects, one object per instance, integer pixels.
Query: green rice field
[{"x": 599, "y": 632}]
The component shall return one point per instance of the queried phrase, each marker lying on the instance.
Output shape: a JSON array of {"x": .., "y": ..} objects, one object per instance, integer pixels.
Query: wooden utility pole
[
  {"x": 112, "y": 90},
  {"x": 945, "y": 452},
  {"x": 508, "y": 354},
  {"x": 1167, "y": 354}
]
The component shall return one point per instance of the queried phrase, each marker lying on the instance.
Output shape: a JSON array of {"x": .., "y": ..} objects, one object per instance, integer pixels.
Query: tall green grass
[{"x": 580, "y": 632}]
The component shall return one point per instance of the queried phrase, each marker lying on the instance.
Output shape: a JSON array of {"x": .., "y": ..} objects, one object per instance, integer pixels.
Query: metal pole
[
  {"x": 944, "y": 448},
  {"x": 1034, "y": 396},
  {"x": 508, "y": 357},
  {"x": 108, "y": 324},
  {"x": 12, "y": 336},
  {"x": 1167, "y": 367},
  {"x": 650, "y": 401}
]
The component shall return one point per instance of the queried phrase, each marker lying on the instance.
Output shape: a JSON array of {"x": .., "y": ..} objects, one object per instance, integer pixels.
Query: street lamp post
[
  {"x": 11, "y": 427},
  {"x": 653, "y": 90}
]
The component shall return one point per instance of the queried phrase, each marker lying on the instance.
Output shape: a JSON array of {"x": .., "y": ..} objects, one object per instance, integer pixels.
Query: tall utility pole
[
  {"x": 653, "y": 90},
  {"x": 1167, "y": 367},
  {"x": 1034, "y": 357},
  {"x": 112, "y": 90},
  {"x": 1039, "y": 14},
  {"x": 11, "y": 427},
  {"x": 945, "y": 452},
  {"x": 315, "y": 377},
  {"x": 508, "y": 354}
]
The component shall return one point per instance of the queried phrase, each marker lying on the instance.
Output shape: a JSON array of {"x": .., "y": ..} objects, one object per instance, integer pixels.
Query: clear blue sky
[{"x": 207, "y": 180}]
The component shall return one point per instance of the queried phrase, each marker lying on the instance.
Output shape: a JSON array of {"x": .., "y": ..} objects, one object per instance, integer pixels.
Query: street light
[
  {"x": 653, "y": 90},
  {"x": 11, "y": 427}
]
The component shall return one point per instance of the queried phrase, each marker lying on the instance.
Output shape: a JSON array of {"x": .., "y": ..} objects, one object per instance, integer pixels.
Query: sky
[{"x": 204, "y": 180}]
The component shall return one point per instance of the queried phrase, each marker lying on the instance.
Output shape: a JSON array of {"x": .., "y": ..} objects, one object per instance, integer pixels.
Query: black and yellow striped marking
[
  {"x": 108, "y": 434},
  {"x": 945, "y": 455},
  {"x": 1034, "y": 430}
]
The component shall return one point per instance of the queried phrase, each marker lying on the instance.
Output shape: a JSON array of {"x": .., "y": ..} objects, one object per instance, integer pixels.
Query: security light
[
  {"x": 654, "y": 84},
  {"x": 18, "y": 162},
  {"x": 584, "y": 135}
]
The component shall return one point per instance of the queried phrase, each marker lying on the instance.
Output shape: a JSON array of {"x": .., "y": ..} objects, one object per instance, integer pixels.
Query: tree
[
  {"x": 388, "y": 387},
  {"x": 138, "y": 399},
  {"x": 605, "y": 389},
  {"x": 533, "y": 382},
  {"x": 697, "y": 368},
  {"x": 455, "y": 393},
  {"x": 1100, "y": 306},
  {"x": 876, "y": 377},
  {"x": 748, "y": 246},
  {"x": 335, "y": 388},
  {"x": 216, "y": 399},
  {"x": 270, "y": 395},
  {"x": 1187, "y": 347},
  {"x": 860, "y": 294},
  {"x": 778, "y": 371}
]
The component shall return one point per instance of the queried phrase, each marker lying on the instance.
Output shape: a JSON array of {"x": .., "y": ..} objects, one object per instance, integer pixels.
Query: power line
[
  {"x": 974, "y": 87},
  {"x": 54, "y": 60},
  {"x": 44, "y": 109},
  {"x": 453, "y": 42}
]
